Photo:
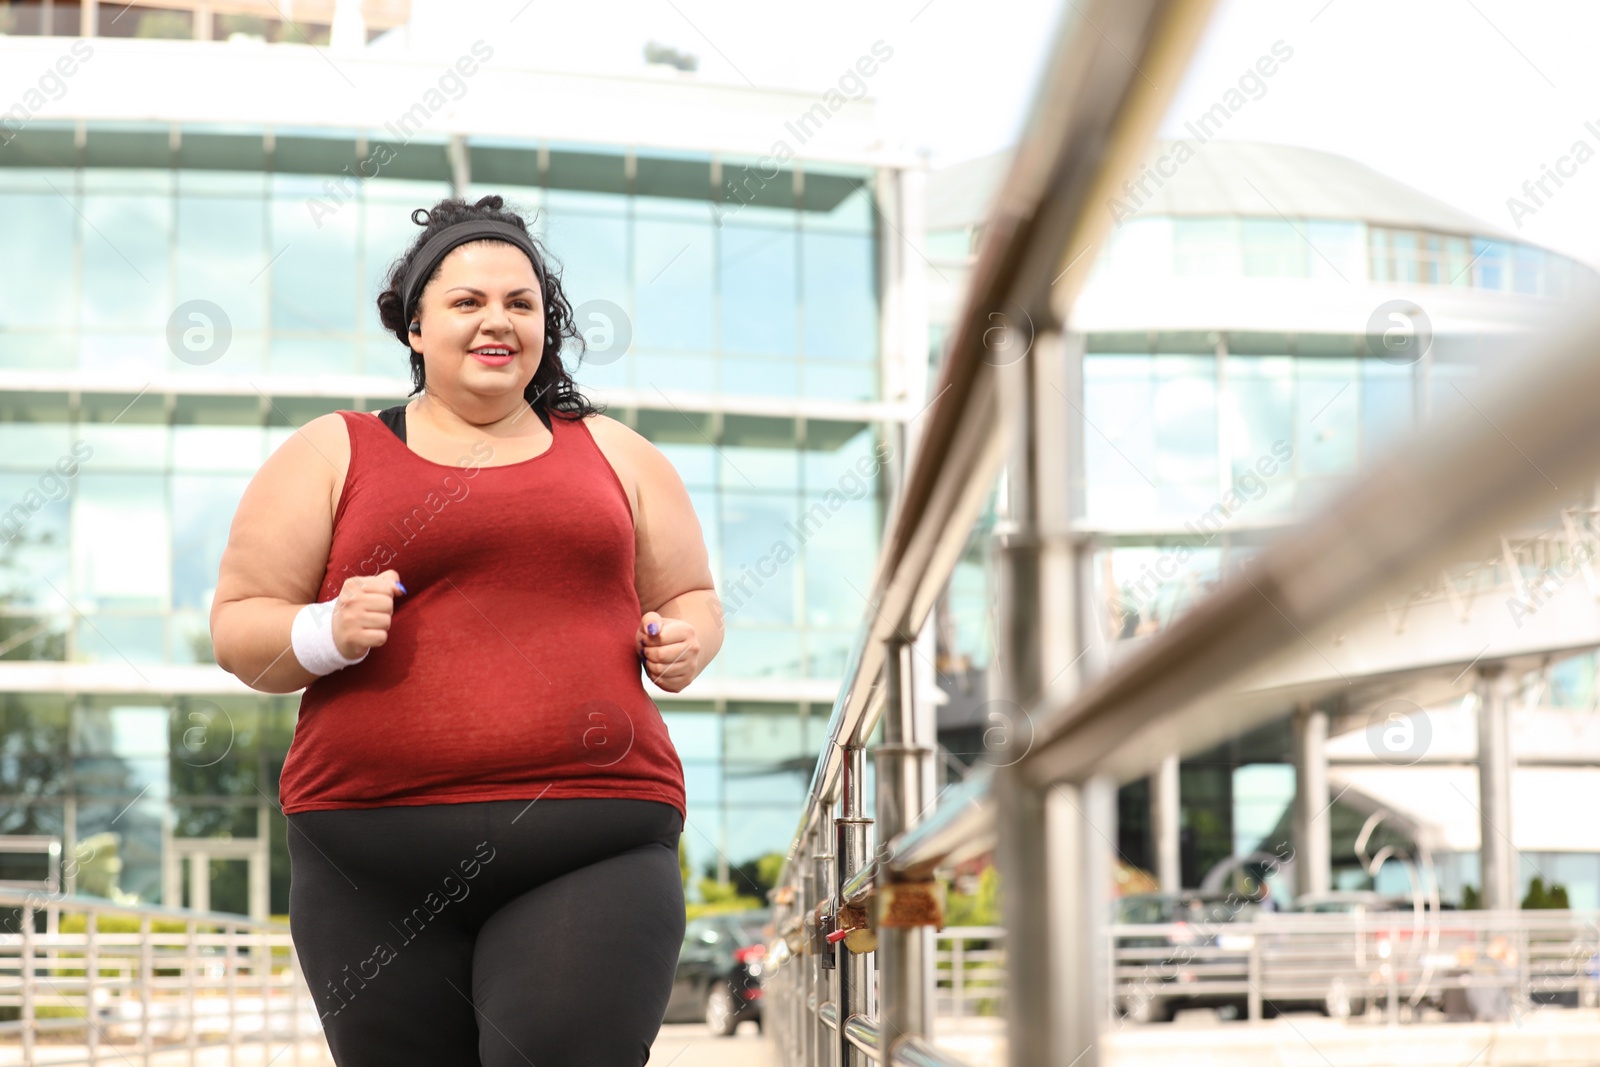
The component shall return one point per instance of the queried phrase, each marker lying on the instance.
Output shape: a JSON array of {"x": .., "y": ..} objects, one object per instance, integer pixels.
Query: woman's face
[{"x": 482, "y": 318}]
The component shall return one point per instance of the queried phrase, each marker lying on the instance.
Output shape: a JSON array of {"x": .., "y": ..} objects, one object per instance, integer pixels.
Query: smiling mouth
[{"x": 494, "y": 355}]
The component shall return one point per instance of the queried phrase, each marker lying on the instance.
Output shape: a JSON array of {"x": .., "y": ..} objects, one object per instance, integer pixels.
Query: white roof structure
[
  {"x": 1249, "y": 178},
  {"x": 247, "y": 84},
  {"x": 1231, "y": 178}
]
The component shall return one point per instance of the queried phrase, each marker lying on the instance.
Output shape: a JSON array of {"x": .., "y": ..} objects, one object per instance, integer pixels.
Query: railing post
[
  {"x": 958, "y": 976},
  {"x": 905, "y": 956},
  {"x": 852, "y": 849},
  {"x": 808, "y": 960},
  {"x": 27, "y": 983},
  {"x": 230, "y": 940},
  {"x": 294, "y": 1003},
  {"x": 824, "y": 881},
  {"x": 1054, "y": 851},
  {"x": 1521, "y": 996},
  {"x": 1253, "y": 979},
  {"x": 147, "y": 977},
  {"x": 191, "y": 965},
  {"x": 794, "y": 982},
  {"x": 1110, "y": 950},
  {"x": 1392, "y": 972},
  {"x": 265, "y": 975},
  {"x": 1054, "y": 842},
  {"x": 91, "y": 974}
]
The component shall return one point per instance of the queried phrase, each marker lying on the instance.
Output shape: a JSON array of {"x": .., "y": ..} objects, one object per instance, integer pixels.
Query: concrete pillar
[
  {"x": 261, "y": 864},
  {"x": 1164, "y": 813},
  {"x": 1497, "y": 855},
  {"x": 199, "y": 881},
  {"x": 349, "y": 30},
  {"x": 1313, "y": 814}
]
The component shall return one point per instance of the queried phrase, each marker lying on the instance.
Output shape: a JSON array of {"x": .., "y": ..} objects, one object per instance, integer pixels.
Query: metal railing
[
  {"x": 126, "y": 980},
  {"x": 1482, "y": 965},
  {"x": 853, "y": 968},
  {"x": 968, "y": 971},
  {"x": 1522, "y": 560},
  {"x": 1101, "y": 100}
]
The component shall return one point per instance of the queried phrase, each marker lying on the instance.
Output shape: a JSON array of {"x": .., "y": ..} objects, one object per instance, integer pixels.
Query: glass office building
[
  {"x": 176, "y": 297},
  {"x": 1263, "y": 322}
]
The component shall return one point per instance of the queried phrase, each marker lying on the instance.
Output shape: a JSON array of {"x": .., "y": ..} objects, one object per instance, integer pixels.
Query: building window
[{"x": 1274, "y": 248}]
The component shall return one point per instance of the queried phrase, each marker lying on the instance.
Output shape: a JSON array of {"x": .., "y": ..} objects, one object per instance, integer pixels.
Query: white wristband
[{"x": 312, "y": 639}]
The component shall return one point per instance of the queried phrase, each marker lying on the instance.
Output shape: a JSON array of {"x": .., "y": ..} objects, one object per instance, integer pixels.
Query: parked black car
[
  {"x": 719, "y": 971},
  {"x": 1190, "y": 959}
]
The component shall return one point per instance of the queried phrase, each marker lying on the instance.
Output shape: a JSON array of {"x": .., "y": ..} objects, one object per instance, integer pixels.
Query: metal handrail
[
  {"x": 1507, "y": 565},
  {"x": 113, "y": 983},
  {"x": 1443, "y": 498},
  {"x": 1440, "y": 500},
  {"x": 1097, "y": 111}
]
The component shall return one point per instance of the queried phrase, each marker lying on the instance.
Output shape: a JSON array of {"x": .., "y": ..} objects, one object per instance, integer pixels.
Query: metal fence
[
  {"x": 128, "y": 981},
  {"x": 1393, "y": 965},
  {"x": 969, "y": 975},
  {"x": 857, "y": 901},
  {"x": 1389, "y": 967}
]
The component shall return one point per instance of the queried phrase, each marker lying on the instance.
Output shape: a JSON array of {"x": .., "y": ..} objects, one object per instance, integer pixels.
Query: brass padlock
[{"x": 864, "y": 939}]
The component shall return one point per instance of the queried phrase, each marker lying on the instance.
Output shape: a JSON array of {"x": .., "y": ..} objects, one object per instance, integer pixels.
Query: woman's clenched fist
[{"x": 362, "y": 612}]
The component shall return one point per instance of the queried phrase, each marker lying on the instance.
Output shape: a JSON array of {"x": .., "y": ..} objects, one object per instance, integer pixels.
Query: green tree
[
  {"x": 768, "y": 868},
  {"x": 754, "y": 876},
  {"x": 975, "y": 909},
  {"x": 1539, "y": 896},
  {"x": 165, "y": 25}
]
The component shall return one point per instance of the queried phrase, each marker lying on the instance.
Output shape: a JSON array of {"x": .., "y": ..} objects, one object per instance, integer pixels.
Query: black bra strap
[{"x": 395, "y": 419}]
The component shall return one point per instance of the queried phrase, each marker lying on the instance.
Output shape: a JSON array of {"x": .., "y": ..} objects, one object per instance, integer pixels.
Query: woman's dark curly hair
[{"x": 552, "y": 388}]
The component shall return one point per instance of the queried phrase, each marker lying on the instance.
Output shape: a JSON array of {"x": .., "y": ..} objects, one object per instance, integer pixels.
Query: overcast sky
[{"x": 1464, "y": 99}]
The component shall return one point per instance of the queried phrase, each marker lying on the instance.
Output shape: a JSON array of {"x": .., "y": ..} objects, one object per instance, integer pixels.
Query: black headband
[{"x": 439, "y": 245}]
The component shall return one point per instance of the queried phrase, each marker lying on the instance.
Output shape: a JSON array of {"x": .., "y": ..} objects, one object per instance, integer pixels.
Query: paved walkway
[
  {"x": 691, "y": 1045},
  {"x": 679, "y": 1044},
  {"x": 1548, "y": 1037}
]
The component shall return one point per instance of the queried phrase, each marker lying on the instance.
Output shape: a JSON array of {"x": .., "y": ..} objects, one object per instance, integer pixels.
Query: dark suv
[{"x": 719, "y": 971}]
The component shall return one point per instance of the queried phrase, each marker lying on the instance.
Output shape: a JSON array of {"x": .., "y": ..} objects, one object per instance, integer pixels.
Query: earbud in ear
[{"x": 416, "y": 327}]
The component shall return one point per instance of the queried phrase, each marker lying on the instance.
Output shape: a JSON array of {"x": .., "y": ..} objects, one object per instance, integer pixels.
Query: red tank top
[{"x": 511, "y": 670}]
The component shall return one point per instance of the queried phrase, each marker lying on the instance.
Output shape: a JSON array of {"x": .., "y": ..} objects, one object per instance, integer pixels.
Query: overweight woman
[{"x": 483, "y": 803}]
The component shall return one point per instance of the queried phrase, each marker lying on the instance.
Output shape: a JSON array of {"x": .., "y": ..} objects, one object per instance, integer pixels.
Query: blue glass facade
[{"x": 115, "y": 500}]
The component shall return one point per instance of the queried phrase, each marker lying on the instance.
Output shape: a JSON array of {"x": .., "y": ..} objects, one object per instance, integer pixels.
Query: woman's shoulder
[
  {"x": 327, "y": 436},
  {"x": 316, "y": 453},
  {"x": 610, "y": 432}
]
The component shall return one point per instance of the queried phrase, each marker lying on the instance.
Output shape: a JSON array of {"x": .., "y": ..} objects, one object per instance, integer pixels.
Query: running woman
[{"x": 483, "y": 803}]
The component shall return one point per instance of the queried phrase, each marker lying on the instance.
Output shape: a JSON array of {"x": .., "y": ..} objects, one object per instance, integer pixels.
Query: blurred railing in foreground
[
  {"x": 853, "y": 989},
  {"x": 852, "y": 972},
  {"x": 125, "y": 981},
  {"x": 1522, "y": 562}
]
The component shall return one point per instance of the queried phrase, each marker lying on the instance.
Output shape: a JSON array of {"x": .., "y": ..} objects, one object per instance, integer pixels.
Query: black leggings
[{"x": 495, "y": 933}]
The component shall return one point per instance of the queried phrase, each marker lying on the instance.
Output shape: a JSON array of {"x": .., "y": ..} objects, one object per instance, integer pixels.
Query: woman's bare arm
[
  {"x": 672, "y": 572},
  {"x": 275, "y": 559}
]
